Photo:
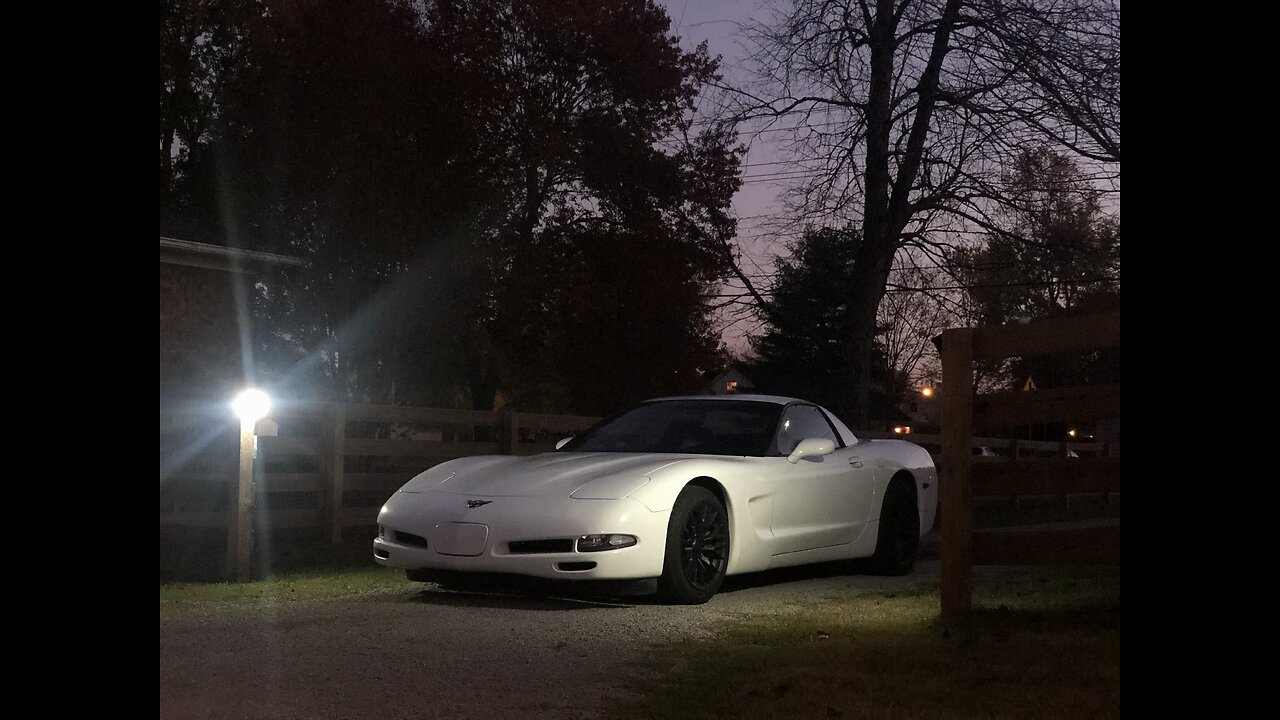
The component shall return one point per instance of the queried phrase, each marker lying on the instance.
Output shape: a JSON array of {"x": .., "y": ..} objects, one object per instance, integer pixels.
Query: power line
[
  {"x": 998, "y": 286},
  {"x": 805, "y": 172},
  {"x": 779, "y": 162},
  {"x": 1040, "y": 283}
]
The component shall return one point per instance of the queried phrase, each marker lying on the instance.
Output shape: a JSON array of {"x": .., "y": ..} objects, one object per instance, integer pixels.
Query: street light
[
  {"x": 926, "y": 391},
  {"x": 250, "y": 406}
]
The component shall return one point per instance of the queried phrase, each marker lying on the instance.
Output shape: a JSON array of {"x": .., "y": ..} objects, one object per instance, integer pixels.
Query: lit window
[{"x": 731, "y": 386}]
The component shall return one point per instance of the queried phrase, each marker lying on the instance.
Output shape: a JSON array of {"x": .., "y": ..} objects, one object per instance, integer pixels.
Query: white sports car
[{"x": 677, "y": 492}]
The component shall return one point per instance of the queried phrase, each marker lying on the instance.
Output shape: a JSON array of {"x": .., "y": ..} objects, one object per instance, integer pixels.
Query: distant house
[
  {"x": 204, "y": 290},
  {"x": 729, "y": 382}
]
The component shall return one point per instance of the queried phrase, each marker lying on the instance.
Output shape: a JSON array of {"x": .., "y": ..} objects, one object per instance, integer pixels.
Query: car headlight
[{"x": 596, "y": 543}]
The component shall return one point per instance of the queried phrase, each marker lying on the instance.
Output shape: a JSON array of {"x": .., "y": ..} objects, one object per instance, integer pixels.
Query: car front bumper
[{"x": 461, "y": 539}]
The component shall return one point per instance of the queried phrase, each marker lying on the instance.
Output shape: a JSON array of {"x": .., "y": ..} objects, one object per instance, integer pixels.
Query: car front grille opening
[
  {"x": 410, "y": 539},
  {"x": 575, "y": 566},
  {"x": 539, "y": 547}
]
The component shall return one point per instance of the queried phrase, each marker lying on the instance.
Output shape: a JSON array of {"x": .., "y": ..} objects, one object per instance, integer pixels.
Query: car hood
[{"x": 582, "y": 475}]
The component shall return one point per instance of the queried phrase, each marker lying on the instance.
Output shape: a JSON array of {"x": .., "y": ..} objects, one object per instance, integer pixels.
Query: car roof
[{"x": 776, "y": 399}]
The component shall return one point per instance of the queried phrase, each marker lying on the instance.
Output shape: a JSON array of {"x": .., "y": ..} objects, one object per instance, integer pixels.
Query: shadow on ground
[
  {"x": 527, "y": 594},
  {"x": 513, "y": 599}
]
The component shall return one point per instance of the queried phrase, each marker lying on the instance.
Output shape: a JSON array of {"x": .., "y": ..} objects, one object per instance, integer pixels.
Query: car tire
[
  {"x": 697, "y": 551},
  {"x": 898, "y": 541}
]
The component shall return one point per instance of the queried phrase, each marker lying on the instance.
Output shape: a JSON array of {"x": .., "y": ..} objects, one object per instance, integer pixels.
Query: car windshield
[{"x": 704, "y": 427}]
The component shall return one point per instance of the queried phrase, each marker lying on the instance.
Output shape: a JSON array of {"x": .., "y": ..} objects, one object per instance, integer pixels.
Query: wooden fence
[
  {"x": 962, "y": 479},
  {"x": 332, "y": 465},
  {"x": 299, "y": 482},
  {"x": 1006, "y": 448}
]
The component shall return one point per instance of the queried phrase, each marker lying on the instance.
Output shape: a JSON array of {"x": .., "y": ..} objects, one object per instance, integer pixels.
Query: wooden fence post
[
  {"x": 337, "y": 454},
  {"x": 510, "y": 431},
  {"x": 240, "y": 527},
  {"x": 956, "y": 492}
]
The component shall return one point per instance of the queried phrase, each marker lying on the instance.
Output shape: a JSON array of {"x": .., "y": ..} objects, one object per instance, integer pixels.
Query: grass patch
[
  {"x": 282, "y": 589},
  {"x": 198, "y": 555},
  {"x": 1042, "y": 644}
]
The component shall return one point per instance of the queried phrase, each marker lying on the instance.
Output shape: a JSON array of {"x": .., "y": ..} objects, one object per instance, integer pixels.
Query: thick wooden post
[
  {"x": 956, "y": 491},
  {"x": 240, "y": 527},
  {"x": 336, "y": 455},
  {"x": 510, "y": 431}
]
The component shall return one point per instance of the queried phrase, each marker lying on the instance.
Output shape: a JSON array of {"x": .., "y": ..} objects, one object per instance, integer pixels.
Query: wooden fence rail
[
  {"x": 1008, "y": 448},
  {"x": 296, "y": 468},
  {"x": 332, "y": 465},
  {"x": 962, "y": 479}
]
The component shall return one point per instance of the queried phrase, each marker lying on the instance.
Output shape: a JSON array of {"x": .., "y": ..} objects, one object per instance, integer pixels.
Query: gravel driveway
[{"x": 427, "y": 653}]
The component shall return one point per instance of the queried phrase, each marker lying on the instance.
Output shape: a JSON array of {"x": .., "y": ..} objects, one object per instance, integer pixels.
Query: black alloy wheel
[
  {"x": 898, "y": 541},
  {"x": 697, "y": 551}
]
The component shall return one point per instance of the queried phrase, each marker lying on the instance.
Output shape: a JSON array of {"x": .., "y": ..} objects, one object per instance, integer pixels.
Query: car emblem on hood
[{"x": 477, "y": 503}]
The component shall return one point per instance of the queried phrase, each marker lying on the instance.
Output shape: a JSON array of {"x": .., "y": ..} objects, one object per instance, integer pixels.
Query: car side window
[{"x": 801, "y": 422}]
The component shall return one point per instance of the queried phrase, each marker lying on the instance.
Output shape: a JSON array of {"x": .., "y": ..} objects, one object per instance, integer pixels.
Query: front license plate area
[{"x": 464, "y": 539}]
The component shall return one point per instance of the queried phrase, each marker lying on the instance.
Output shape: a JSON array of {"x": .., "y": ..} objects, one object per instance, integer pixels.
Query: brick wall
[{"x": 199, "y": 339}]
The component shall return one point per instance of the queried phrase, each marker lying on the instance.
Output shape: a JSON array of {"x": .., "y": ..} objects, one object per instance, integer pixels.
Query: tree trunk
[
  {"x": 867, "y": 286},
  {"x": 887, "y": 209},
  {"x": 875, "y": 254},
  {"x": 166, "y": 161}
]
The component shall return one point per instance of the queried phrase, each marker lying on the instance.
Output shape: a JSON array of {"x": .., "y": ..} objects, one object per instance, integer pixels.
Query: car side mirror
[
  {"x": 563, "y": 442},
  {"x": 811, "y": 447}
]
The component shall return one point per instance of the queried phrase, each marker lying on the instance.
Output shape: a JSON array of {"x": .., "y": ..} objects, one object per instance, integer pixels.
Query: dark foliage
[
  {"x": 1057, "y": 255},
  {"x": 807, "y": 345},
  {"x": 497, "y": 201}
]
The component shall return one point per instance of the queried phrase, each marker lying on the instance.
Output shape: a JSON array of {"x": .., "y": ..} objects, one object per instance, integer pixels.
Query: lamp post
[{"x": 250, "y": 406}]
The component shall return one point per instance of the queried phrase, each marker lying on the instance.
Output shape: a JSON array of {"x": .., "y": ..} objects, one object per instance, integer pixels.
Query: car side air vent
[{"x": 411, "y": 539}]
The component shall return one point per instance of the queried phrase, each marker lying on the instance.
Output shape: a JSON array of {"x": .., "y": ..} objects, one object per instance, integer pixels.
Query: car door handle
[{"x": 855, "y": 462}]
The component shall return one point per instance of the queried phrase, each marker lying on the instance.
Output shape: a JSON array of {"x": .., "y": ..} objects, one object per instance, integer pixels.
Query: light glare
[{"x": 251, "y": 405}]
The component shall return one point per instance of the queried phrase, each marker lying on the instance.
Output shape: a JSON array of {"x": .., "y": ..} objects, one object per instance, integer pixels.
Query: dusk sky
[
  {"x": 759, "y": 205},
  {"x": 719, "y": 22}
]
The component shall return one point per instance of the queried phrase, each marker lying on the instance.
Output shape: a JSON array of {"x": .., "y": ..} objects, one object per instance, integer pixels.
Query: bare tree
[
  {"x": 1063, "y": 58},
  {"x": 903, "y": 111},
  {"x": 909, "y": 319}
]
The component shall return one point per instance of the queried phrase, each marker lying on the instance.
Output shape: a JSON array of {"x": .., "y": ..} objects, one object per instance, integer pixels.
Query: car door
[{"x": 819, "y": 501}]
